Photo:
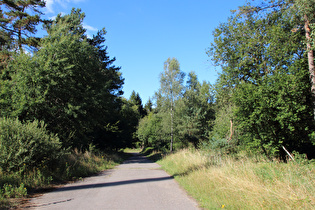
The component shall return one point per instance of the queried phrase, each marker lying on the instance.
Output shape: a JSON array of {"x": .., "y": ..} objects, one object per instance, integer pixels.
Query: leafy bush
[
  {"x": 10, "y": 191},
  {"x": 277, "y": 112},
  {"x": 26, "y": 145}
]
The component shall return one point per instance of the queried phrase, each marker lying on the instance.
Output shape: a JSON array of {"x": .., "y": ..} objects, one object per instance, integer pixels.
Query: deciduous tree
[
  {"x": 171, "y": 82},
  {"x": 263, "y": 71},
  {"x": 70, "y": 83}
]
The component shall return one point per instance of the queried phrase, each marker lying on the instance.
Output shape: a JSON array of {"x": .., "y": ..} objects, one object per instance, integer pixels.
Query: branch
[{"x": 288, "y": 153}]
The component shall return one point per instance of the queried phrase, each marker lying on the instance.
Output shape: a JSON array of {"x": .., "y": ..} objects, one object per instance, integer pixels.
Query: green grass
[
  {"x": 132, "y": 150},
  {"x": 71, "y": 166},
  {"x": 242, "y": 183},
  {"x": 152, "y": 154}
]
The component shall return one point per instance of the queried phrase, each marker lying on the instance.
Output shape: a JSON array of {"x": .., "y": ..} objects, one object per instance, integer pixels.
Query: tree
[
  {"x": 70, "y": 83},
  {"x": 250, "y": 47},
  {"x": 262, "y": 57},
  {"x": 128, "y": 121},
  {"x": 276, "y": 113},
  {"x": 301, "y": 10},
  {"x": 195, "y": 110},
  {"x": 148, "y": 107},
  {"x": 109, "y": 90},
  {"x": 151, "y": 132},
  {"x": 5, "y": 43},
  {"x": 131, "y": 113},
  {"x": 20, "y": 19},
  {"x": 135, "y": 99},
  {"x": 115, "y": 81},
  {"x": 306, "y": 9},
  {"x": 171, "y": 82}
]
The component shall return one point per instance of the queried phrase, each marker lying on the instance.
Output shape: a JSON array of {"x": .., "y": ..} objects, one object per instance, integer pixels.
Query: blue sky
[{"x": 142, "y": 34}]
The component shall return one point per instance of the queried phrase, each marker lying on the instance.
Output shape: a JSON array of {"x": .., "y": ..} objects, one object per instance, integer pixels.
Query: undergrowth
[{"x": 240, "y": 182}]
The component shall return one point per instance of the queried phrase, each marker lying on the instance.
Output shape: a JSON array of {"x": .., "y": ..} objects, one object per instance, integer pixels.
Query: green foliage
[
  {"x": 130, "y": 116},
  {"x": 277, "y": 112},
  {"x": 171, "y": 82},
  {"x": 19, "y": 19},
  {"x": 182, "y": 116},
  {"x": 258, "y": 52},
  {"x": 196, "y": 111},
  {"x": 71, "y": 80},
  {"x": 24, "y": 146},
  {"x": 70, "y": 83},
  {"x": 148, "y": 107},
  {"x": 153, "y": 154},
  {"x": 171, "y": 85},
  {"x": 222, "y": 122},
  {"x": 264, "y": 79},
  {"x": 10, "y": 191},
  {"x": 151, "y": 131},
  {"x": 135, "y": 99}
]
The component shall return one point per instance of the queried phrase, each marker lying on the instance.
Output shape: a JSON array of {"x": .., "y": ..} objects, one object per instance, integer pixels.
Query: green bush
[
  {"x": 24, "y": 146},
  {"x": 10, "y": 191}
]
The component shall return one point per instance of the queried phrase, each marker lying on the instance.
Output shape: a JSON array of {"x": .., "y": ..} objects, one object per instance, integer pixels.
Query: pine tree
[
  {"x": 135, "y": 99},
  {"x": 148, "y": 107},
  {"x": 19, "y": 18},
  {"x": 5, "y": 42}
]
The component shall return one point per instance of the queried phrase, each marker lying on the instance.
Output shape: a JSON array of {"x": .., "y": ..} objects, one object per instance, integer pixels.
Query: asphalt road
[{"x": 138, "y": 183}]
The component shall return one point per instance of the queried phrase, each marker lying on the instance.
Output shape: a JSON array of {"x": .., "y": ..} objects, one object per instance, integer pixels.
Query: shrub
[{"x": 24, "y": 146}]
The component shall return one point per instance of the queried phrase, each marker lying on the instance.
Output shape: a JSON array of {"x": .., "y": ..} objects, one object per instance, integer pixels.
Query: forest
[{"x": 62, "y": 93}]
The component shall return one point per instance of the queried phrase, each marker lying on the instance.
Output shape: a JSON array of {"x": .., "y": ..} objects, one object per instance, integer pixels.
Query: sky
[{"x": 143, "y": 34}]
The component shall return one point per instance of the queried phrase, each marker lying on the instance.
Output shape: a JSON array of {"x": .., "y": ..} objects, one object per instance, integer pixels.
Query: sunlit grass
[
  {"x": 244, "y": 183},
  {"x": 132, "y": 150}
]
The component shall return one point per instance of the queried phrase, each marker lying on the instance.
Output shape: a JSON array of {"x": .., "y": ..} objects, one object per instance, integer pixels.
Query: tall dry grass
[{"x": 242, "y": 183}]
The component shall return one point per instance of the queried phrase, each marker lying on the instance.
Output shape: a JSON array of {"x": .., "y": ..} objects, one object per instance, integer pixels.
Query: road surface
[{"x": 136, "y": 184}]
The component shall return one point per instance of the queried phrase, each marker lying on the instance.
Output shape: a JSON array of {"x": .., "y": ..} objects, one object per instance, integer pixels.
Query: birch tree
[{"x": 171, "y": 81}]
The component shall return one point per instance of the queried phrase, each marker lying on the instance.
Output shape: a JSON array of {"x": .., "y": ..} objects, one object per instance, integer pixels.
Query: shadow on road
[
  {"x": 109, "y": 184},
  {"x": 135, "y": 159}
]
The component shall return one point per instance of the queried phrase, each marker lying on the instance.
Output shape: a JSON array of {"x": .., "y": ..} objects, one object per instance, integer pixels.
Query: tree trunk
[
  {"x": 171, "y": 147},
  {"x": 310, "y": 57},
  {"x": 231, "y": 130}
]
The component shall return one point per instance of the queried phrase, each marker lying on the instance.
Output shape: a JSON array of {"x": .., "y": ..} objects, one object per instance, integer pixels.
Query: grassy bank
[
  {"x": 71, "y": 166},
  {"x": 241, "y": 182}
]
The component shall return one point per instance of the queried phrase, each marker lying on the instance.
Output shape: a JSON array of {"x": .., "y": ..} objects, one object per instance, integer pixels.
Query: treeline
[
  {"x": 61, "y": 91},
  {"x": 263, "y": 100}
]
